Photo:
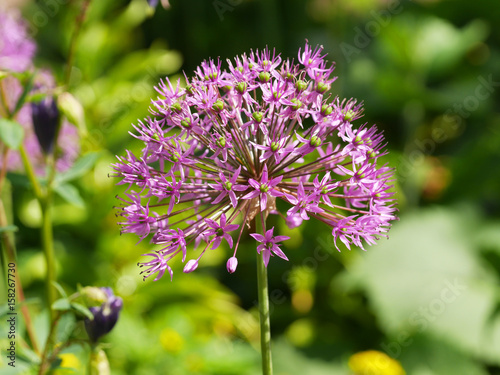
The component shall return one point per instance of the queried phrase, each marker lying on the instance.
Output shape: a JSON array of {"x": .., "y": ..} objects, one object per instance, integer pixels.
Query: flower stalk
[{"x": 263, "y": 292}]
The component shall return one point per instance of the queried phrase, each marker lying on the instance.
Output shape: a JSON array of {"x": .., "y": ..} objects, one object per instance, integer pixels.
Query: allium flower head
[
  {"x": 16, "y": 48},
  {"x": 221, "y": 149}
]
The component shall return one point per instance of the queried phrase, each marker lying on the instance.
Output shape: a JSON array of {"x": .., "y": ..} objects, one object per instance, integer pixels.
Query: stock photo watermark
[
  {"x": 453, "y": 119},
  {"x": 223, "y": 6},
  {"x": 364, "y": 35}
]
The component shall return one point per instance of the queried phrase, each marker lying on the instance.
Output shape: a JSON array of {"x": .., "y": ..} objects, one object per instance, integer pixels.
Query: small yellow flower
[
  {"x": 171, "y": 341},
  {"x": 373, "y": 362},
  {"x": 69, "y": 364}
]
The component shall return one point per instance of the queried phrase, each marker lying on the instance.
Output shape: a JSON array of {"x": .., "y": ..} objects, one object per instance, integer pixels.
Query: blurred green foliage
[{"x": 428, "y": 72}]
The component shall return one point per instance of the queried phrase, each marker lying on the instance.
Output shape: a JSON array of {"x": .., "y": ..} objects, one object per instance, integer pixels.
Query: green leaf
[
  {"x": 59, "y": 289},
  {"x": 8, "y": 228},
  {"x": 11, "y": 133},
  {"x": 82, "y": 310},
  {"x": 61, "y": 304},
  {"x": 27, "y": 88},
  {"x": 70, "y": 194},
  {"x": 19, "y": 180},
  {"x": 79, "y": 169}
]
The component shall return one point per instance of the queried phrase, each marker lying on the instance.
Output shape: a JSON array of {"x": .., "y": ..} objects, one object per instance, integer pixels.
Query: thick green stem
[{"x": 265, "y": 322}]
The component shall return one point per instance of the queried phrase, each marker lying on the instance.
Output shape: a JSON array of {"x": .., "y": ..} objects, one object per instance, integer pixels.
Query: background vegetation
[{"x": 428, "y": 72}]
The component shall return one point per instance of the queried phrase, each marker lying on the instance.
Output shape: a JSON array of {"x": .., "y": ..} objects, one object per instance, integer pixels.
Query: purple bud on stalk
[
  {"x": 294, "y": 220},
  {"x": 231, "y": 265},
  {"x": 191, "y": 265},
  {"x": 105, "y": 316},
  {"x": 45, "y": 115}
]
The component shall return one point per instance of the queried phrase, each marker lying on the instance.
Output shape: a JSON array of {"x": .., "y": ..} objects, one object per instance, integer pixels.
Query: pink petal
[
  {"x": 216, "y": 243},
  {"x": 258, "y": 237},
  {"x": 251, "y": 195},
  {"x": 278, "y": 252},
  {"x": 231, "y": 227},
  {"x": 219, "y": 197},
  {"x": 229, "y": 240},
  {"x": 255, "y": 184},
  {"x": 263, "y": 201},
  {"x": 266, "y": 255},
  {"x": 232, "y": 196}
]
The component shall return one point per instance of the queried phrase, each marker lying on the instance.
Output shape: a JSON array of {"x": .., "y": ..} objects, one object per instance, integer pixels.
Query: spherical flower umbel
[{"x": 221, "y": 149}]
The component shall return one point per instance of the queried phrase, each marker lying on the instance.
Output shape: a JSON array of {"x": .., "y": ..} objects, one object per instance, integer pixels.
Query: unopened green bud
[
  {"x": 326, "y": 109},
  {"x": 241, "y": 87},
  {"x": 218, "y": 105},
  {"x": 296, "y": 104},
  {"x": 176, "y": 107},
  {"x": 257, "y": 116},
  {"x": 315, "y": 141},
  {"x": 93, "y": 296},
  {"x": 221, "y": 142},
  {"x": 264, "y": 76},
  {"x": 186, "y": 123},
  {"x": 73, "y": 110},
  {"x": 322, "y": 87},
  {"x": 349, "y": 115},
  {"x": 300, "y": 85}
]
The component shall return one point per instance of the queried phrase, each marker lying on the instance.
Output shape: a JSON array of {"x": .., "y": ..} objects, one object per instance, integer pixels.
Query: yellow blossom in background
[
  {"x": 171, "y": 341},
  {"x": 372, "y": 362},
  {"x": 69, "y": 364}
]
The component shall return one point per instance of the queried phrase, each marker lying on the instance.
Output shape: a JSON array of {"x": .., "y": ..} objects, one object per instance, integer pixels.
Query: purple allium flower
[
  {"x": 16, "y": 55},
  {"x": 16, "y": 47},
  {"x": 224, "y": 147},
  {"x": 269, "y": 245},
  {"x": 105, "y": 316}
]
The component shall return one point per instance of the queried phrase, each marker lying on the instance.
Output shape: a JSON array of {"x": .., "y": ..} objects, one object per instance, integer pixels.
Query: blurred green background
[{"x": 428, "y": 72}]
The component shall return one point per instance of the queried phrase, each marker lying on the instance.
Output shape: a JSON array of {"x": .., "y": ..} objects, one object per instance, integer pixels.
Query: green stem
[
  {"x": 48, "y": 249},
  {"x": 9, "y": 255},
  {"x": 74, "y": 40},
  {"x": 45, "y": 364},
  {"x": 31, "y": 173},
  {"x": 265, "y": 322}
]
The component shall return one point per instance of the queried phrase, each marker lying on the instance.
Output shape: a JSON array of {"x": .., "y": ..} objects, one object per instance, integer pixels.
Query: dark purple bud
[
  {"x": 105, "y": 316},
  {"x": 45, "y": 116}
]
